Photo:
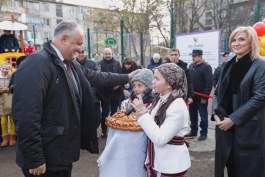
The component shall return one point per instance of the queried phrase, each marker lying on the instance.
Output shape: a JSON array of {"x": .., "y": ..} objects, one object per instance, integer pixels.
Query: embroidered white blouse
[{"x": 168, "y": 158}]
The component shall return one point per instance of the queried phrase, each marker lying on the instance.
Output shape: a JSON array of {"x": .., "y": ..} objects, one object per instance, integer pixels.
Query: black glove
[{"x": 93, "y": 146}]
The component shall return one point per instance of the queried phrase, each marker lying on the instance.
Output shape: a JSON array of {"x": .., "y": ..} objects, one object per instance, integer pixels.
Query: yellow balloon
[
  {"x": 262, "y": 51},
  {"x": 262, "y": 42}
]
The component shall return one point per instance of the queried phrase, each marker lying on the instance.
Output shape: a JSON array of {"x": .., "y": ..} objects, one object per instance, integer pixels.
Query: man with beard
[{"x": 110, "y": 98}]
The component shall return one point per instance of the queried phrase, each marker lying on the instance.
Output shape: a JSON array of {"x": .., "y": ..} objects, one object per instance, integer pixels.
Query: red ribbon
[{"x": 203, "y": 95}]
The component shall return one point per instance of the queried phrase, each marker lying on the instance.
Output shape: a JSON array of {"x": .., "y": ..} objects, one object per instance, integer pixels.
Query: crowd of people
[{"x": 61, "y": 98}]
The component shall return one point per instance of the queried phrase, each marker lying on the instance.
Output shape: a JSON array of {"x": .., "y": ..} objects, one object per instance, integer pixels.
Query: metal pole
[
  {"x": 172, "y": 30},
  {"x": 88, "y": 43},
  {"x": 150, "y": 37},
  {"x": 256, "y": 12},
  {"x": 122, "y": 40},
  {"x": 48, "y": 36},
  {"x": 97, "y": 39},
  {"x": 130, "y": 47},
  {"x": 106, "y": 31},
  {"x": 34, "y": 35}
]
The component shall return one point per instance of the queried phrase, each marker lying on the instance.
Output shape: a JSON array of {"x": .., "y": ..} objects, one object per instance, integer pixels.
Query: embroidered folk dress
[
  {"x": 168, "y": 159},
  {"x": 124, "y": 154}
]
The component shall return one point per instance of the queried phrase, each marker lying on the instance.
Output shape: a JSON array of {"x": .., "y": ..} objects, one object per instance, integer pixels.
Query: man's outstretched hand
[{"x": 130, "y": 75}]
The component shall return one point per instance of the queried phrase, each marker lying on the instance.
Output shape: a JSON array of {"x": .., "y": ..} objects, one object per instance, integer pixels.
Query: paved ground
[{"x": 202, "y": 155}]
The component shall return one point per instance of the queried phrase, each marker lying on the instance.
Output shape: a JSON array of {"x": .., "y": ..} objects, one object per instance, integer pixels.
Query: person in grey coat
[
  {"x": 53, "y": 107},
  {"x": 240, "y": 111}
]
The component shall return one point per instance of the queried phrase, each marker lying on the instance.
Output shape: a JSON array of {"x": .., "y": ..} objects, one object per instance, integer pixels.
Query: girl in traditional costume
[{"x": 166, "y": 123}]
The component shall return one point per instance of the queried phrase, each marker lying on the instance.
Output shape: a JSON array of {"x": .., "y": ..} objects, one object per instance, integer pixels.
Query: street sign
[{"x": 110, "y": 41}]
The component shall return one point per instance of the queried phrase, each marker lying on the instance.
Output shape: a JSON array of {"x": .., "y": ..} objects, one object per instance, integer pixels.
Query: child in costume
[
  {"x": 125, "y": 151},
  {"x": 166, "y": 123},
  {"x": 8, "y": 138}
]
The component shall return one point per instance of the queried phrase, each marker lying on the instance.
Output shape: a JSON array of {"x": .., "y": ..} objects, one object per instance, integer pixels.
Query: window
[
  {"x": 34, "y": 19},
  {"x": 58, "y": 21},
  {"x": 47, "y": 21},
  {"x": 59, "y": 10},
  {"x": 32, "y": 5},
  {"x": 14, "y": 3},
  {"x": 208, "y": 18},
  {"x": 45, "y": 7},
  {"x": 223, "y": 13},
  {"x": 86, "y": 11},
  {"x": 74, "y": 11}
]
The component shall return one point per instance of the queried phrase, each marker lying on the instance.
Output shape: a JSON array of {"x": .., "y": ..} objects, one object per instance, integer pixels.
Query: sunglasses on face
[{"x": 174, "y": 54}]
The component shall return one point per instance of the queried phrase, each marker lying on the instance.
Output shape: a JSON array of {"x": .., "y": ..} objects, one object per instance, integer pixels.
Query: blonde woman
[
  {"x": 8, "y": 138},
  {"x": 240, "y": 112}
]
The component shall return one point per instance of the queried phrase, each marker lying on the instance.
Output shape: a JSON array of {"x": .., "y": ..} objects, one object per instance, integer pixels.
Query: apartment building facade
[{"x": 41, "y": 17}]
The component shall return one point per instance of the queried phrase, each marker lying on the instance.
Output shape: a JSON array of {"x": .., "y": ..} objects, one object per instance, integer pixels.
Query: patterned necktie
[
  {"x": 68, "y": 69},
  {"x": 71, "y": 74}
]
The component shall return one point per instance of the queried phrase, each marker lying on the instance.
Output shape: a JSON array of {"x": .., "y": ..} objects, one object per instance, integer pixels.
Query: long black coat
[
  {"x": 51, "y": 125},
  {"x": 247, "y": 137}
]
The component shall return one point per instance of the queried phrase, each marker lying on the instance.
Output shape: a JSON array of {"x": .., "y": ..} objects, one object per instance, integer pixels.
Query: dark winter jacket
[
  {"x": 88, "y": 64},
  {"x": 51, "y": 124},
  {"x": 217, "y": 73},
  {"x": 153, "y": 65},
  {"x": 247, "y": 136},
  {"x": 202, "y": 79},
  {"x": 8, "y": 42},
  {"x": 112, "y": 66}
]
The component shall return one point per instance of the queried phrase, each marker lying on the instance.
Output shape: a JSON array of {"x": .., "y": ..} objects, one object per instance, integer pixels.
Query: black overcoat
[
  {"x": 51, "y": 124},
  {"x": 247, "y": 136}
]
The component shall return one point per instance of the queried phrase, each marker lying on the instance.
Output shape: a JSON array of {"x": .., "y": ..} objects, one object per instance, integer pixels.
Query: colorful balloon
[
  {"x": 262, "y": 51},
  {"x": 259, "y": 28},
  {"x": 262, "y": 42}
]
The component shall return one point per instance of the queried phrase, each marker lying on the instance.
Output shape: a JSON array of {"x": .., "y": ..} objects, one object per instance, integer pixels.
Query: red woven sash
[{"x": 151, "y": 152}]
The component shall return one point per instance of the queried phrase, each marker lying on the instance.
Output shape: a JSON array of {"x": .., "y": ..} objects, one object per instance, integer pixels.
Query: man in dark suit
[
  {"x": 202, "y": 81},
  {"x": 111, "y": 96},
  {"x": 53, "y": 106}
]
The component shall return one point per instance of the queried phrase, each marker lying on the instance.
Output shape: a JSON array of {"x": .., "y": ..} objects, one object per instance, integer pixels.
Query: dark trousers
[
  {"x": 107, "y": 108},
  {"x": 98, "y": 113},
  {"x": 194, "y": 108},
  {"x": 65, "y": 173}
]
